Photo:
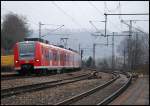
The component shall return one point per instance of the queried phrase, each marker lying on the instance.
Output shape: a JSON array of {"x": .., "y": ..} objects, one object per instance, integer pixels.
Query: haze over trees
[
  {"x": 88, "y": 62},
  {"x": 14, "y": 29},
  {"x": 134, "y": 54},
  {"x": 138, "y": 53}
]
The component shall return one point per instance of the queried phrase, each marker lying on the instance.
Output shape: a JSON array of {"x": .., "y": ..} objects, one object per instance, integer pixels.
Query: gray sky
[{"x": 76, "y": 15}]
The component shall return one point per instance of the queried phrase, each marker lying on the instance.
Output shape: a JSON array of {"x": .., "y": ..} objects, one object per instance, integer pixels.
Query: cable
[
  {"x": 116, "y": 26},
  {"x": 112, "y": 10},
  {"x": 120, "y": 16},
  {"x": 65, "y": 13},
  {"x": 96, "y": 8},
  {"x": 101, "y": 12}
]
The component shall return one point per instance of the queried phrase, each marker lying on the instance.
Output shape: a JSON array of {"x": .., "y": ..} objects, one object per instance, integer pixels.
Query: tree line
[
  {"x": 133, "y": 54},
  {"x": 13, "y": 29}
]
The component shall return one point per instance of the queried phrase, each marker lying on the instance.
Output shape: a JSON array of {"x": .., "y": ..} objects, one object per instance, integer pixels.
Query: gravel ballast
[
  {"x": 34, "y": 80},
  {"x": 56, "y": 94}
]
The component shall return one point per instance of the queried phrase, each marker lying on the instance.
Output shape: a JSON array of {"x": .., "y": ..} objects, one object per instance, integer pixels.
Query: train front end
[{"x": 24, "y": 57}]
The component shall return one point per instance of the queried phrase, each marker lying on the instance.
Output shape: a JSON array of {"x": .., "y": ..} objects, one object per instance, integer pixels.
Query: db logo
[{"x": 26, "y": 61}]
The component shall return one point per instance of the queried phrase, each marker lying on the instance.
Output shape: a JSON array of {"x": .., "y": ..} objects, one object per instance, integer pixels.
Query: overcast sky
[{"x": 77, "y": 14}]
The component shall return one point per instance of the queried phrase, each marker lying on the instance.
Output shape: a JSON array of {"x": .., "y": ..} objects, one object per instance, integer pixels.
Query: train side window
[
  {"x": 42, "y": 50},
  {"x": 66, "y": 57},
  {"x": 70, "y": 59},
  {"x": 58, "y": 54},
  {"x": 44, "y": 53},
  {"x": 62, "y": 57},
  {"x": 49, "y": 55},
  {"x": 54, "y": 55}
]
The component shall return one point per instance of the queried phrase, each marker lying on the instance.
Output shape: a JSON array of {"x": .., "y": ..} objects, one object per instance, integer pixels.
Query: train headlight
[
  {"x": 17, "y": 61},
  {"x": 37, "y": 60}
]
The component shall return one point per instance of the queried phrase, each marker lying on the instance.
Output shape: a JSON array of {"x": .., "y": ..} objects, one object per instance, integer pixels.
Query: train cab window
[{"x": 27, "y": 50}]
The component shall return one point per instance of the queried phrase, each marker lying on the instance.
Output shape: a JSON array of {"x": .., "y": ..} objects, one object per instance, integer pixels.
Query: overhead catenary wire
[
  {"x": 102, "y": 14},
  {"x": 54, "y": 30},
  {"x": 66, "y": 14},
  {"x": 96, "y": 8},
  {"x": 114, "y": 10},
  {"x": 120, "y": 16}
]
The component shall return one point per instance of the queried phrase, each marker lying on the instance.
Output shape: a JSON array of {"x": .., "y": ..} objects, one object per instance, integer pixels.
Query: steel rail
[
  {"x": 84, "y": 94},
  {"x": 8, "y": 75},
  {"x": 117, "y": 93},
  {"x": 35, "y": 87},
  {"x": 15, "y": 76}
]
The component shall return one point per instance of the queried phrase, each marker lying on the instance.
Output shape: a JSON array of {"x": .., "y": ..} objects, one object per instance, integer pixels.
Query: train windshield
[{"x": 26, "y": 50}]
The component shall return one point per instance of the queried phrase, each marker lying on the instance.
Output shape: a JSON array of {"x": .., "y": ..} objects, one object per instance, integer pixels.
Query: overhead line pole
[
  {"x": 130, "y": 32},
  {"x": 132, "y": 26},
  {"x": 118, "y": 14},
  {"x": 94, "y": 55},
  {"x": 129, "y": 47},
  {"x": 94, "y": 46},
  {"x": 113, "y": 53},
  {"x": 106, "y": 28},
  {"x": 40, "y": 30}
]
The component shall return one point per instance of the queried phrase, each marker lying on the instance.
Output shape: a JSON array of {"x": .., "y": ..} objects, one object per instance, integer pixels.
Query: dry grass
[{"x": 143, "y": 69}]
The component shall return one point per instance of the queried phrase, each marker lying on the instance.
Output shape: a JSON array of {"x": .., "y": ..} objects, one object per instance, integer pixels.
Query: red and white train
[{"x": 35, "y": 55}]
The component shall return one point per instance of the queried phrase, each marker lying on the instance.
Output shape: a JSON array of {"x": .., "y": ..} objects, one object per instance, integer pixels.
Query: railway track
[
  {"x": 35, "y": 87},
  {"x": 17, "y": 76},
  {"x": 116, "y": 93},
  {"x": 14, "y": 76},
  {"x": 82, "y": 98}
]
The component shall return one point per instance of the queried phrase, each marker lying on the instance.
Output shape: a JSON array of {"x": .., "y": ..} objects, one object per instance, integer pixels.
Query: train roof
[
  {"x": 57, "y": 47},
  {"x": 46, "y": 43}
]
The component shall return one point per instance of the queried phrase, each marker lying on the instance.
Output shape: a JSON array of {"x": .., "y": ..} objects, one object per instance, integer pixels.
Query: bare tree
[
  {"x": 138, "y": 50},
  {"x": 89, "y": 62},
  {"x": 14, "y": 29},
  {"x": 104, "y": 63},
  {"x": 123, "y": 51}
]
